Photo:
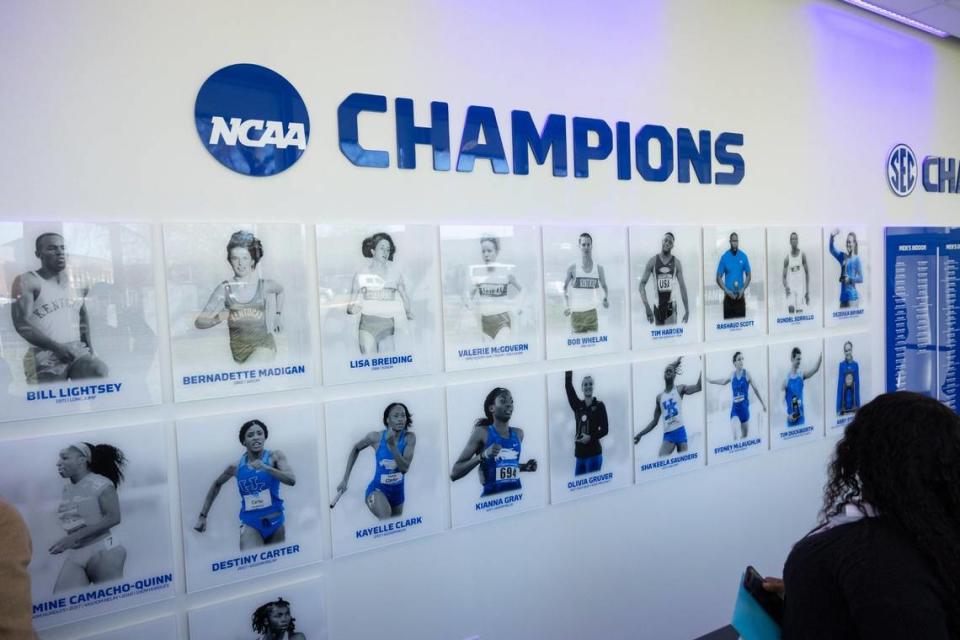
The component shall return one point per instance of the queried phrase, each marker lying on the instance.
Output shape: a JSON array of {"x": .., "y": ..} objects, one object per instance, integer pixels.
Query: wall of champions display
[{"x": 79, "y": 333}]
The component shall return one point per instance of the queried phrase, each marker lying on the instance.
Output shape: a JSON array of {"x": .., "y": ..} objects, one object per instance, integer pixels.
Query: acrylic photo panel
[
  {"x": 295, "y": 611},
  {"x": 78, "y": 318},
  {"x": 588, "y": 423},
  {"x": 491, "y": 295},
  {"x": 497, "y": 449},
  {"x": 97, "y": 507},
  {"x": 737, "y": 409},
  {"x": 249, "y": 494},
  {"x": 847, "y": 387},
  {"x": 734, "y": 257},
  {"x": 796, "y": 392},
  {"x": 239, "y": 303},
  {"x": 846, "y": 276},
  {"x": 584, "y": 276},
  {"x": 665, "y": 293},
  {"x": 379, "y": 307},
  {"x": 396, "y": 486},
  {"x": 159, "y": 629},
  {"x": 669, "y": 422},
  {"x": 795, "y": 277}
]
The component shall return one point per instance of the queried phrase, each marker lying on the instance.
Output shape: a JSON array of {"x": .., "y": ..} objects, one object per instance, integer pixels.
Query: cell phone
[{"x": 771, "y": 603}]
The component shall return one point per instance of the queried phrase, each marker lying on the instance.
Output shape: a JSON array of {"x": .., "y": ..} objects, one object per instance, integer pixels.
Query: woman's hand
[
  {"x": 201, "y": 525},
  {"x": 774, "y": 585}
]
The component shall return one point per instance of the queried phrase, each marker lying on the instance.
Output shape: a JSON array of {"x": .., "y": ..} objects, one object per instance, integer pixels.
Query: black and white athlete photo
[
  {"x": 737, "y": 410},
  {"x": 796, "y": 392},
  {"x": 794, "y": 271},
  {"x": 735, "y": 284},
  {"x": 249, "y": 497},
  {"x": 296, "y": 611},
  {"x": 385, "y": 469},
  {"x": 378, "y": 301},
  {"x": 96, "y": 506},
  {"x": 239, "y": 308},
  {"x": 77, "y": 318},
  {"x": 665, "y": 285},
  {"x": 585, "y": 290},
  {"x": 491, "y": 295},
  {"x": 589, "y": 430}
]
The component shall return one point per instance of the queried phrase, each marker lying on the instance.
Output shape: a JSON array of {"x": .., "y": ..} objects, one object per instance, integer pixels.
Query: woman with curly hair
[
  {"x": 884, "y": 561},
  {"x": 378, "y": 295},
  {"x": 273, "y": 621}
]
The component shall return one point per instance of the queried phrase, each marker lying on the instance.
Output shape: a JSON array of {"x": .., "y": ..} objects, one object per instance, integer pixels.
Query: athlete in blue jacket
[
  {"x": 851, "y": 270},
  {"x": 848, "y": 382}
]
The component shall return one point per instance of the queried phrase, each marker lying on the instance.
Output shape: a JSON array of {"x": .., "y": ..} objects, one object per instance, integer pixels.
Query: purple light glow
[{"x": 910, "y": 22}]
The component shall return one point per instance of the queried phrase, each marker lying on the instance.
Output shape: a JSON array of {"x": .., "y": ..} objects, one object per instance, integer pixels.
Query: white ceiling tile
[
  {"x": 944, "y": 17},
  {"x": 905, "y": 7}
]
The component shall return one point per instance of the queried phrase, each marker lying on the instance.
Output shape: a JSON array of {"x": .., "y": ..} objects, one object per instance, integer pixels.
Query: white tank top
[
  {"x": 670, "y": 410},
  {"x": 378, "y": 294},
  {"x": 491, "y": 288},
  {"x": 795, "y": 276},
  {"x": 584, "y": 291},
  {"x": 80, "y": 504},
  {"x": 56, "y": 310}
]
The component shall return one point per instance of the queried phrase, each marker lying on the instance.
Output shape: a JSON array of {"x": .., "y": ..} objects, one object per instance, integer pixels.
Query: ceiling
[{"x": 942, "y": 14}]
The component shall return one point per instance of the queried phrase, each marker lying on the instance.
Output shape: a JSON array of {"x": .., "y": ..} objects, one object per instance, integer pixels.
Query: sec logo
[
  {"x": 252, "y": 120},
  {"x": 902, "y": 170}
]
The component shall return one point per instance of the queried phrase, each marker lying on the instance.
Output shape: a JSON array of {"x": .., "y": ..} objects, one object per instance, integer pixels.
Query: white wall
[{"x": 97, "y": 114}]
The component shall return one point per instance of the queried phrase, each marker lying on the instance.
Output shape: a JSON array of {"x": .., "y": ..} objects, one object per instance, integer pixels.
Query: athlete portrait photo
[
  {"x": 665, "y": 270},
  {"x": 846, "y": 282},
  {"x": 96, "y": 506},
  {"x": 385, "y": 468},
  {"x": 239, "y": 307},
  {"x": 735, "y": 263},
  {"x": 847, "y": 380},
  {"x": 794, "y": 271},
  {"x": 491, "y": 293},
  {"x": 584, "y": 280},
  {"x": 589, "y": 430},
  {"x": 77, "y": 318},
  {"x": 736, "y": 403},
  {"x": 796, "y": 384},
  {"x": 668, "y": 416},
  {"x": 497, "y": 446},
  {"x": 378, "y": 301},
  {"x": 249, "y": 498},
  {"x": 296, "y": 611}
]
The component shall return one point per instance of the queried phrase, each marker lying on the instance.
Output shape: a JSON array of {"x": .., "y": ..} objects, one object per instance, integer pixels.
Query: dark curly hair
[
  {"x": 249, "y": 242},
  {"x": 370, "y": 244},
  {"x": 260, "y": 620},
  {"x": 386, "y": 413},
  {"x": 901, "y": 455}
]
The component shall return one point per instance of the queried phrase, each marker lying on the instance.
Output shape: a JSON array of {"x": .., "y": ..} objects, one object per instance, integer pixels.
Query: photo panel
[
  {"x": 796, "y": 392},
  {"x": 734, "y": 282},
  {"x": 239, "y": 300},
  {"x": 97, "y": 507},
  {"x": 737, "y": 409},
  {"x": 78, "y": 318},
  {"x": 847, "y": 363},
  {"x": 249, "y": 494},
  {"x": 794, "y": 271},
  {"x": 158, "y": 629},
  {"x": 666, "y": 303},
  {"x": 669, "y": 422},
  {"x": 497, "y": 444},
  {"x": 386, "y": 469},
  {"x": 379, "y": 307},
  {"x": 584, "y": 276},
  {"x": 846, "y": 275},
  {"x": 296, "y": 611},
  {"x": 491, "y": 295},
  {"x": 589, "y": 430}
]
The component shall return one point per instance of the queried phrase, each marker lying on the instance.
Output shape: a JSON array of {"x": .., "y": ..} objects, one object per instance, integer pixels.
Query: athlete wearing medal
[
  {"x": 792, "y": 388},
  {"x": 50, "y": 313},
  {"x": 259, "y": 473},
  {"x": 581, "y": 289},
  {"x": 494, "y": 447},
  {"x": 796, "y": 277},
  {"x": 666, "y": 269},
  {"x": 848, "y": 382},
  {"x": 668, "y": 407}
]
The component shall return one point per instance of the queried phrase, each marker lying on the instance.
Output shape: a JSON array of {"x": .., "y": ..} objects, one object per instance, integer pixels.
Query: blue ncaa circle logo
[
  {"x": 252, "y": 120},
  {"x": 902, "y": 170}
]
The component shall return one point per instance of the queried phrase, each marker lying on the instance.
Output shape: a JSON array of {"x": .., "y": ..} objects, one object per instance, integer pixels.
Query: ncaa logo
[
  {"x": 902, "y": 170},
  {"x": 252, "y": 120}
]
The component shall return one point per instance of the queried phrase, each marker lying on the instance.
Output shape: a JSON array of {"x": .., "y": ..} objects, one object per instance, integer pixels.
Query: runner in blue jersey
[
  {"x": 792, "y": 387},
  {"x": 393, "y": 454},
  {"x": 668, "y": 407},
  {"x": 740, "y": 383},
  {"x": 851, "y": 269},
  {"x": 259, "y": 473},
  {"x": 494, "y": 447},
  {"x": 848, "y": 382}
]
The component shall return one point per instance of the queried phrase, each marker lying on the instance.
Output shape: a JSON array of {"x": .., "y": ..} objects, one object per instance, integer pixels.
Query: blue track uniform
[
  {"x": 794, "y": 400},
  {"x": 740, "y": 387},
  {"x": 501, "y": 473},
  {"x": 386, "y": 479},
  {"x": 851, "y": 268},
  {"x": 260, "y": 505},
  {"x": 848, "y": 396},
  {"x": 673, "y": 428}
]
